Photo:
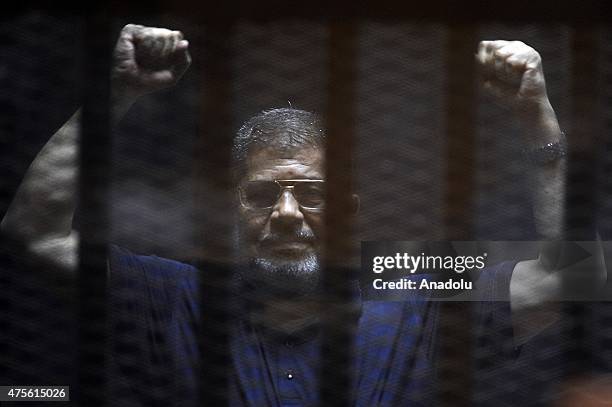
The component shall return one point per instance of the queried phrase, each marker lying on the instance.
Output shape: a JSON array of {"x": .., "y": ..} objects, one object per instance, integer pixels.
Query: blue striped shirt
[{"x": 155, "y": 353}]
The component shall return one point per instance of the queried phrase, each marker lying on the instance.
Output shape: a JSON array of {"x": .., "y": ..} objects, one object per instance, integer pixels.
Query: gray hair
[{"x": 284, "y": 129}]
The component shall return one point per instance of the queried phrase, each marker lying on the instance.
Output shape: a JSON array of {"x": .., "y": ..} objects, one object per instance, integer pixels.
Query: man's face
[{"x": 283, "y": 243}]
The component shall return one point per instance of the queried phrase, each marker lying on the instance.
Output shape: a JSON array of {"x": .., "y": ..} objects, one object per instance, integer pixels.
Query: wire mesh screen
[
  {"x": 188, "y": 325},
  {"x": 401, "y": 130}
]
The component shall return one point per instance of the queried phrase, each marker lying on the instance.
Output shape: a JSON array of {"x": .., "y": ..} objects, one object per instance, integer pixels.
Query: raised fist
[
  {"x": 147, "y": 59},
  {"x": 512, "y": 70}
]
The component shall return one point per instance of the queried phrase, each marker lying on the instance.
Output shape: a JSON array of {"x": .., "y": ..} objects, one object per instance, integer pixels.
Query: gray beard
[
  {"x": 283, "y": 278},
  {"x": 277, "y": 277}
]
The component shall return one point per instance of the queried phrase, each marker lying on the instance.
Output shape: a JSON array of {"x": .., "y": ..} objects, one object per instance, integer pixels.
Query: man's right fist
[{"x": 147, "y": 59}]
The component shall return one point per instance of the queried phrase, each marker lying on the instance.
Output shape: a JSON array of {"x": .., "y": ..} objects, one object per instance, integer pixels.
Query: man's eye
[
  {"x": 261, "y": 194},
  {"x": 310, "y": 196}
]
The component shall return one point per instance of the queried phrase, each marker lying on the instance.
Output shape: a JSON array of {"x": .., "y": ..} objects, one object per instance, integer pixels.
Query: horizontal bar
[{"x": 445, "y": 10}]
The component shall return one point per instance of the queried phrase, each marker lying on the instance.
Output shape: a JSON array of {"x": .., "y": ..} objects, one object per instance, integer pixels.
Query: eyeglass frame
[{"x": 282, "y": 189}]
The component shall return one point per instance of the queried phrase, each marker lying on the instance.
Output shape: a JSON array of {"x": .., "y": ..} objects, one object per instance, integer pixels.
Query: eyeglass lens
[{"x": 264, "y": 194}]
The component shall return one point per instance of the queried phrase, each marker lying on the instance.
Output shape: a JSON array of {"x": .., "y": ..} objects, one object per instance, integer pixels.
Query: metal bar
[
  {"x": 214, "y": 208},
  {"x": 583, "y": 169},
  {"x": 605, "y": 226},
  {"x": 525, "y": 11},
  {"x": 95, "y": 150},
  {"x": 338, "y": 323},
  {"x": 585, "y": 136},
  {"x": 455, "y": 333},
  {"x": 8, "y": 124}
]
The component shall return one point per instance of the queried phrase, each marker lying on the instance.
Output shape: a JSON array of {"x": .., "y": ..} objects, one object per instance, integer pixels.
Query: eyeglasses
[{"x": 259, "y": 195}]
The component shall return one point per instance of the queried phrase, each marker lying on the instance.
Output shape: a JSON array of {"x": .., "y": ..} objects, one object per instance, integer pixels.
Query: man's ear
[{"x": 355, "y": 204}]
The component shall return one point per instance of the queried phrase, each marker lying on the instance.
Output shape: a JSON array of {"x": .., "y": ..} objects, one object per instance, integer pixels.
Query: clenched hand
[
  {"x": 147, "y": 59},
  {"x": 512, "y": 71}
]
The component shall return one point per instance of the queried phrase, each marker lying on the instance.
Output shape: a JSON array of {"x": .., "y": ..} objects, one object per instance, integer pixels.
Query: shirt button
[{"x": 289, "y": 374}]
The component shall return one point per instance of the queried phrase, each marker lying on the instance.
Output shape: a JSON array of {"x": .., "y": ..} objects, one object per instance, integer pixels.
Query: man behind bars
[{"x": 279, "y": 170}]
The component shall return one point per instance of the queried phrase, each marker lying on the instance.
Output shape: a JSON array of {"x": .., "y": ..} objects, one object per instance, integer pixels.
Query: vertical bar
[
  {"x": 95, "y": 148},
  {"x": 461, "y": 132},
  {"x": 605, "y": 217},
  {"x": 337, "y": 347},
  {"x": 585, "y": 136},
  {"x": 214, "y": 208},
  {"x": 583, "y": 171},
  {"x": 8, "y": 122},
  {"x": 455, "y": 317},
  {"x": 9, "y": 170}
]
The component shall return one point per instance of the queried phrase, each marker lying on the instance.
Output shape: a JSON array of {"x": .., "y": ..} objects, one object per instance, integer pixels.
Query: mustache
[{"x": 303, "y": 236}]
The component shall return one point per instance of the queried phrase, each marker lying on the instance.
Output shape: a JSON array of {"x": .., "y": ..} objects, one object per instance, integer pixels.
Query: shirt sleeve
[
  {"x": 493, "y": 314},
  {"x": 145, "y": 294}
]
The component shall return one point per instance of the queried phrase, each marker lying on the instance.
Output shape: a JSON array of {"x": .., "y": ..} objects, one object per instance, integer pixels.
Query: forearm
[
  {"x": 535, "y": 288},
  {"x": 563, "y": 270},
  {"x": 546, "y": 179}
]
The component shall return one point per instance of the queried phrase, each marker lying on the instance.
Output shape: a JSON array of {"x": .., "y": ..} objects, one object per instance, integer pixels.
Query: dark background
[{"x": 400, "y": 152}]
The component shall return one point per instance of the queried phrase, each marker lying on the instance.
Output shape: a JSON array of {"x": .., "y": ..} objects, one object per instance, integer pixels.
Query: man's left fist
[{"x": 512, "y": 70}]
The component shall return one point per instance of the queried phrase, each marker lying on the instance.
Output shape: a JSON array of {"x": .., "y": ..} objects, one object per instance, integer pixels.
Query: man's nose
[{"x": 286, "y": 213}]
